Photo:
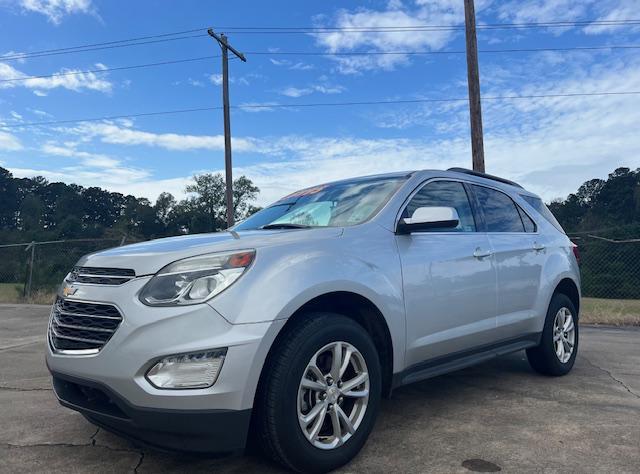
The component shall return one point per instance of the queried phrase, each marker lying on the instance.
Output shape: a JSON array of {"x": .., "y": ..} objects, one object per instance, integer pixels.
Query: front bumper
[
  {"x": 111, "y": 390},
  {"x": 203, "y": 431}
]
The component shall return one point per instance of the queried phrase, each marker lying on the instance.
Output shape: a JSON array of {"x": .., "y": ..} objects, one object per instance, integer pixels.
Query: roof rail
[{"x": 485, "y": 175}]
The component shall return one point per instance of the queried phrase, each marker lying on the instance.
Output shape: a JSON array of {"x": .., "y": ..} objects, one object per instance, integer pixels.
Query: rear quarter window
[{"x": 543, "y": 210}]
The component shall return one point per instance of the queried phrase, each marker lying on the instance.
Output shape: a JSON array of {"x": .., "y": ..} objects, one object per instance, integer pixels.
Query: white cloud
[
  {"x": 9, "y": 142},
  {"x": 256, "y": 107},
  {"x": 569, "y": 10},
  {"x": 55, "y": 10},
  {"x": 40, "y": 113},
  {"x": 526, "y": 11},
  {"x": 297, "y": 66},
  {"x": 195, "y": 82},
  {"x": 74, "y": 82},
  {"x": 216, "y": 79},
  {"x": 123, "y": 134},
  {"x": 421, "y": 12},
  {"x": 302, "y": 91}
]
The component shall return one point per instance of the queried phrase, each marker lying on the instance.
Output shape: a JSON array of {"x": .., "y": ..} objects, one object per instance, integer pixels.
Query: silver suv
[{"x": 288, "y": 328}]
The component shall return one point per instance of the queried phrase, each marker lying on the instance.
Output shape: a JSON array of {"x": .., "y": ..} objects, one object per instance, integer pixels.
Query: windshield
[{"x": 329, "y": 205}]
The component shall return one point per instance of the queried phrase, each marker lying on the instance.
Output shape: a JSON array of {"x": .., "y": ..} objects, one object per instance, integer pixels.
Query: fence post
[{"x": 31, "y": 246}]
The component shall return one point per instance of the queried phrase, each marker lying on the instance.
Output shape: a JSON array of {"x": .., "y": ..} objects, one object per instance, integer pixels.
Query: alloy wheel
[
  {"x": 333, "y": 395},
  {"x": 564, "y": 334}
]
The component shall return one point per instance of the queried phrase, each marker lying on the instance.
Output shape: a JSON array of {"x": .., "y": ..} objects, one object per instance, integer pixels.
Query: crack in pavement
[
  {"x": 626, "y": 387},
  {"x": 19, "y": 389},
  {"x": 93, "y": 436},
  {"x": 71, "y": 445},
  {"x": 17, "y": 346},
  {"x": 135, "y": 469},
  {"x": 90, "y": 444}
]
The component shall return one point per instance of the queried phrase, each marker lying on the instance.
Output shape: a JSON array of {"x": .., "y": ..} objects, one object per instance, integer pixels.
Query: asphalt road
[{"x": 496, "y": 415}]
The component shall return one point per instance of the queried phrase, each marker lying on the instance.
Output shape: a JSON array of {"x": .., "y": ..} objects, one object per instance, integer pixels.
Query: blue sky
[{"x": 551, "y": 145}]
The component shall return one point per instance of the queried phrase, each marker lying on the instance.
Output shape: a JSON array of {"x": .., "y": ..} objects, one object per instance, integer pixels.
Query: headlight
[{"x": 196, "y": 279}]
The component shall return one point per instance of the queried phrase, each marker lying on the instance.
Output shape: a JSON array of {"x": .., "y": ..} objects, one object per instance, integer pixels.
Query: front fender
[{"x": 284, "y": 279}]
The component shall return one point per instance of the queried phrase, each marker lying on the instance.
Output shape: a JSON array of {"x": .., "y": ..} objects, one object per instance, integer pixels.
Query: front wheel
[
  {"x": 320, "y": 395},
  {"x": 558, "y": 347}
]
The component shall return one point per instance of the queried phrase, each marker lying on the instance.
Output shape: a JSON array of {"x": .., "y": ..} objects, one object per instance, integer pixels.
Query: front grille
[
  {"x": 101, "y": 275},
  {"x": 79, "y": 326}
]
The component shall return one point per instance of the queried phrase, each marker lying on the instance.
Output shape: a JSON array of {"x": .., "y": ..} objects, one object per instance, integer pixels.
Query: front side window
[
  {"x": 445, "y": 194},
  {"x": 500, "y": 212},
  {"x": 329, "y": 205}
]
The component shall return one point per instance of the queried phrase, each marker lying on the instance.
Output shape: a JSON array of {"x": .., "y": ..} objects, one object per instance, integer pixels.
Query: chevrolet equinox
[{"x": 288, "y": 328}]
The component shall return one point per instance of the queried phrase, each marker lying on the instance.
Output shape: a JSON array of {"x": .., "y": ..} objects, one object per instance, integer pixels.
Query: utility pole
[
  {"x": 473, "y": 80},
  {"x": 226, "y": 47}
]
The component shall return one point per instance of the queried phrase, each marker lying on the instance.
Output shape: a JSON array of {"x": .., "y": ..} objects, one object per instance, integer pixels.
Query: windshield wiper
[{"x": 285, "y": 225}]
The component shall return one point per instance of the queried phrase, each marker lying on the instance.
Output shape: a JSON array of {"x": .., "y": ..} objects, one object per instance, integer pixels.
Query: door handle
[
  {"x": 538, "y": 247},
  {"x": 479, "y": 253}
]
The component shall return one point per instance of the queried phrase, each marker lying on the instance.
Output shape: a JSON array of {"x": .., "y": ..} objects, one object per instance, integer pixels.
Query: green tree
[{"x": 209, "y": 200}]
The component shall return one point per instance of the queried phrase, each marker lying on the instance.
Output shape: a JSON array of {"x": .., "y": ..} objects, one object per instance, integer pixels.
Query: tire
[
  {"x": 282, "y": 399},
  {"x": 545, "y": 358}
]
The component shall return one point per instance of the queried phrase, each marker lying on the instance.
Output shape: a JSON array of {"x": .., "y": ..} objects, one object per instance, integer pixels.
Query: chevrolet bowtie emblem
[{"x": 69, "y": 291}]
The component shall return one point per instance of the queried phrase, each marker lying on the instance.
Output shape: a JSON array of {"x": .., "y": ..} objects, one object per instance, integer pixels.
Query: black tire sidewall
[
  {"x": 556, "y": 367},
  {"x": 300, "y": 453}
]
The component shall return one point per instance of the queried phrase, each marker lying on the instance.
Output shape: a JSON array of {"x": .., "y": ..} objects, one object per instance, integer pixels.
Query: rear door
[
  {"x": 518, "y": 256},
  {"x": 449, "y": 279}
]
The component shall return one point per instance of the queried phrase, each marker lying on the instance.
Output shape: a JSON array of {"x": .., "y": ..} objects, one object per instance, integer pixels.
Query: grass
[
  {"x": 610, "y": 312},
  {"x": 12, "y": 293},
  {"x": 594, "y": 310}
]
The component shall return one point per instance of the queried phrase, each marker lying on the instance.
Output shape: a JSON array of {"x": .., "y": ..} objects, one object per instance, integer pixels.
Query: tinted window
[
  {"x": 529, "y": 225},
  {"x": 539, "y": 206},
  {"x": 499, "y": 210},
  {"x": 448, "y": 194}
]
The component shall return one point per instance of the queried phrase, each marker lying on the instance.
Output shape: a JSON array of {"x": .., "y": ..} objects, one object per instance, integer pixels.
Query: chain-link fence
[
  {"x": 31, "y": 272},
  {"x": 610, "y": 269}
]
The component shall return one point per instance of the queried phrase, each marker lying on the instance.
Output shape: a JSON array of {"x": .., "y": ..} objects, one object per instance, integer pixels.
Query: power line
[
  {"x": 78, "y": 49},
  {"x": 173, "y": 36},
  {"x": 318, "y": 104},
  {"x": 139, "y": 38},
  {"x": 119, "y": 68},
  {"x": 509, "y": 50},
  {"x": 424, "y": 28},
  {"x": 409, "y": 27},
  {"x": 319, "y": 53}
]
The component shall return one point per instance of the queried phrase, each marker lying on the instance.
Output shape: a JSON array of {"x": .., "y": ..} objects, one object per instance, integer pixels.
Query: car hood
[{"x": 147, "y": 258}]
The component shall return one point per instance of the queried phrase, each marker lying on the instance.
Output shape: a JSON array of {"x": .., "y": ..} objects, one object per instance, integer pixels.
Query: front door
[{"x": 449, "y": 279}]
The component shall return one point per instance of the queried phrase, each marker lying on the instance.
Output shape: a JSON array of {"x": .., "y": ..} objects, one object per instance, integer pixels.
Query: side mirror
[{"x": 427, "y": 218}]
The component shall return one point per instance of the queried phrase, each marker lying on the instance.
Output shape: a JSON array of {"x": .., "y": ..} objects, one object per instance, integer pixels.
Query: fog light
[{"x": 195, "y": 370}]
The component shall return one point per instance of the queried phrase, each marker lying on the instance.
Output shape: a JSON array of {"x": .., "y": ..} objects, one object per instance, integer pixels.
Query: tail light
[{"x": 576, "y": 252}]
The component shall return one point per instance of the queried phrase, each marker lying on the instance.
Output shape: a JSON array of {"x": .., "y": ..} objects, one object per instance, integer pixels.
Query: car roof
[{"x": 456, "y": 173}]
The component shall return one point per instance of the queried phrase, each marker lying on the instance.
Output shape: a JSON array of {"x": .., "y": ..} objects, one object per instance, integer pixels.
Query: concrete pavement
[{"x": 499, "y": 415}]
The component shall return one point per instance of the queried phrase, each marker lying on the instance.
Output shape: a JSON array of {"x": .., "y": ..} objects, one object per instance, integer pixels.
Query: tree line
[
  {"x": 34, "y": 209},
  {"x": 606, "y": 208}
]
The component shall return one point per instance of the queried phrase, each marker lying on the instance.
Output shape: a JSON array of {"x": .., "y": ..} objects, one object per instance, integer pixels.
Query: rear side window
[
  {"x": 529, "y": 225},
  {"x": 539, "y": 206},
  {"x": 500, "y": 212},
  {"x": 447, "y": 194}
]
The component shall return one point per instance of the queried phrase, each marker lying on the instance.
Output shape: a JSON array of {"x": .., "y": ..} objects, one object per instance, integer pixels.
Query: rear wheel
[
  {"x": 558, "y": 347},
  {"x": 321, "y": 392}
]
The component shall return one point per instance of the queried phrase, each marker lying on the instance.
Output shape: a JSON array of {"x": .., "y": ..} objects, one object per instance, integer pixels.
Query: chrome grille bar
[{"x": 78, "y": 327}]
